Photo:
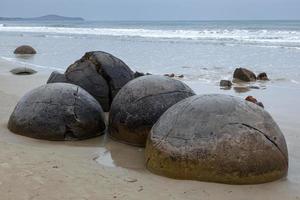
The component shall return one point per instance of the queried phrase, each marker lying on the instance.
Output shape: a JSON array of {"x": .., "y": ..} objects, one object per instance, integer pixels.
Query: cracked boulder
[
  {"x": 140, "y": 103},
  {"x": 217, "y": 138},
  {"x": 99, "y": 73},
  {"x": 58, "y": 111}
]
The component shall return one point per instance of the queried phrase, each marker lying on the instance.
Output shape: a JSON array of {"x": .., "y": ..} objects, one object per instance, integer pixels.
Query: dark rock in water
[
  {"x": 225, "y": 83},
  {"x": 260, "y": 104},
  {"x": 57, "y": 77},
  {"x": 23, "y": 71},
  {"x": 170, "y": 75},
  {"x": 254, "y": 100},
  {"x": 243, "y": 74},
  {"x": 101, "y": 74},
  {"x": 181, "y": 76},
  {"x": 138, "y": 74},
  {"x": 25, "y": 49},
  {"x": 217, "y": 138},
  {"x": 140, "y": 103},
  {"x": 263, "y": 77},
  {"x": 58, "y": 111},
  {"x": 254, "y": 87}
]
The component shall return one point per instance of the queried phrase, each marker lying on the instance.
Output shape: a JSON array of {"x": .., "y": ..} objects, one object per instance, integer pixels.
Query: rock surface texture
[
  {"x": 58, "y": 111},
  {"x": 140, "y": 103},
  {"x": 243, "y": 74},
  {"x": 217, "y": 138},
  {"x": 101, "y": 74},
  {"x": 25, "y": 49}
]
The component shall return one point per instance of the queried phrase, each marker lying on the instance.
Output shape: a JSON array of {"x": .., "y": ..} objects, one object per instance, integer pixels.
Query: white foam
[
  {"x": 289, "y": 38},
  {"x": 26, "y": 64}
]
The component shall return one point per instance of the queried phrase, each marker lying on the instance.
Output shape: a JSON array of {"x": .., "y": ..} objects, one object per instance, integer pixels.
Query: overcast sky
[{"x": 155, "y": 9}]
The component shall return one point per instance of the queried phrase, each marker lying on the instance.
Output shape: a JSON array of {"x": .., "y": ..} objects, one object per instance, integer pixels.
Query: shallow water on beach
[{"x": 201, "y": 51}]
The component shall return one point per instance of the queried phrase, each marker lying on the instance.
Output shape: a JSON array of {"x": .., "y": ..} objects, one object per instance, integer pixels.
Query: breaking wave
[{"x": 285, "y": 37}]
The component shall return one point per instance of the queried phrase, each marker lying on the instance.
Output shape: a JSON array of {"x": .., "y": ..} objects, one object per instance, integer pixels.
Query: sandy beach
[{"x": 100, "y": 168}]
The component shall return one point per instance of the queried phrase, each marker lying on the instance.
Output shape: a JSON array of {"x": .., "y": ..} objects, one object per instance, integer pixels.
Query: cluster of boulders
[
  {"x": 244, "y": 75},
  {"x": 216, "y": 138}
]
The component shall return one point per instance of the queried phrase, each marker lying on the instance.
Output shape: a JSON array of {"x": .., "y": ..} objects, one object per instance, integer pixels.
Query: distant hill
[{"x": 43, "y": 18}]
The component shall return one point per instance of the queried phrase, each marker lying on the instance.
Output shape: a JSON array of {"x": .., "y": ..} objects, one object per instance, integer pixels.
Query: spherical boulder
[
  {"x": 56, "y": 77},
  {"x": 140, "y": 103},
  {"x": 25, "y": 49},
  {"x": 217, "y": 138},
  {"x": 58, "y": 111},
  {"x": 99, "y": 73},
  {"x": 23, "y": 71}
]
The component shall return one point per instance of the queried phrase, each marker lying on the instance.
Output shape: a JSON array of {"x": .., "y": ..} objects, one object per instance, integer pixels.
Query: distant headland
[{"x": 43, "y": 18}]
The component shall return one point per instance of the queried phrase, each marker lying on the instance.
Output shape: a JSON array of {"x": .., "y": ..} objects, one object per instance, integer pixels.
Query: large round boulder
[
  {"x": 58, "y": 111},
  {"x": 217, "y": 138},
  {"x": 101, "y": 74},
  {"x": 25, "y": 49},
  {"x": 140, "y": 103}
]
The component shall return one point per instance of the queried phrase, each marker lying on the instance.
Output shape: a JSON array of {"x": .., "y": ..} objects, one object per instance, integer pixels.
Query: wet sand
[{"x": 100, "y": 168}]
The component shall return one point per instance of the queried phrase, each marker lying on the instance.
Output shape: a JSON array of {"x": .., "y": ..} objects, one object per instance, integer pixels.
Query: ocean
[{"x": 203, "y": 51}]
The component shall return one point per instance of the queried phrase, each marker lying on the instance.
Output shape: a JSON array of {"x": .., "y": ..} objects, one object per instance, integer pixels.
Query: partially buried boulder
[
  {"x": 25, "y": 49},
  {"x": 140, "y": 103},
  {"x": 217, "y": 138},
  {"x": 101, "y": 74},
  {"x": 242, "y": 74},
  {"x": 56, "y": 77},
  {"x": 23, "y": 71},
  {"x": 58, "y": 111}
]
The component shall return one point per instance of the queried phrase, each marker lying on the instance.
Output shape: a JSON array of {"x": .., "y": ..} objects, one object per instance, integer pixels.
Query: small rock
[
  {"x": 25, "y": 49},
  {"x": 251, "y": 99},
  {"x": 243, "y": 74},
  {"x": 260, "y": 104},
  {"x": 254, "y": 87},
  {"x": 225, "y": 83},
  {"x": 263, "y": 77},
  {"x": 254, "y": 100},
  {"x": 170, "y": 75},
  {"x": 181, "y": 76},
  {"x": 138, "y": 74}
]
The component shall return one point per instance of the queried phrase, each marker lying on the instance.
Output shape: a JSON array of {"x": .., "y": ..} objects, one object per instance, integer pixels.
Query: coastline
[{"x": 102, "y": 168}]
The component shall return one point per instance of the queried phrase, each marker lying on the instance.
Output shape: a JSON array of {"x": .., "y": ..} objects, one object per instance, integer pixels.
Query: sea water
[{"x": 204, "y": 51}]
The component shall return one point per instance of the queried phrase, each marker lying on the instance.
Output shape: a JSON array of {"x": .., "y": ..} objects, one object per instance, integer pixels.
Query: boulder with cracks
[
  {"x": 140, "y": 103},
  {"x": 101, "y": 74},
  {"x": 217, "y": 138},
  {"x": 58, "y": 111}
]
